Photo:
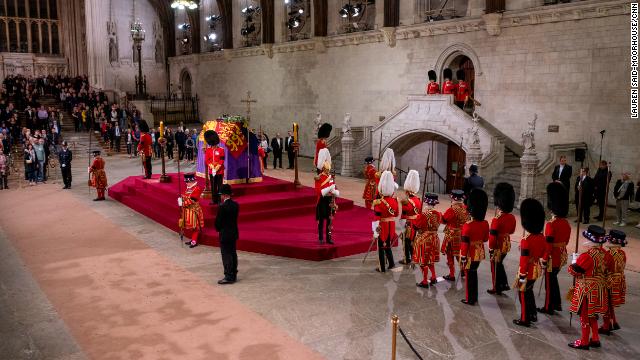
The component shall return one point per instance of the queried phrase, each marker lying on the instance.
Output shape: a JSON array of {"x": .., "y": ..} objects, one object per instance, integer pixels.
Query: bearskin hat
[
  {"x": 447, "y": 74},
  {"x": 144, "y": 127},
  {"x": 504, "y": 197},
  {"x": 532, "y": 216},
  {"x": 460, "y": 75},
  {"x": 558, "y": 199},
  {"x": 432, "y": 75},
  {"x": 324, "y": 131},
  {"x": 478, "y": 202},
  {"x": 211, "y": 137}
]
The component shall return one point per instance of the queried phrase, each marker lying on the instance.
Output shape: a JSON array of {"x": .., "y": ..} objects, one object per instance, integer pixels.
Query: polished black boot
[
  {"x": 320, "y": 231},
  {"x": 328, "y": 230}
]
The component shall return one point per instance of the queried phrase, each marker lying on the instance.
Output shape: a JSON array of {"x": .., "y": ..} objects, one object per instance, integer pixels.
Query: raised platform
[{"x": 276, "y": 218}]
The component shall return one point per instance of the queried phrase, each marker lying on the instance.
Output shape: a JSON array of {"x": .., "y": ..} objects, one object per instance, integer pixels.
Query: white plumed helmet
[
  {"x": 388, "y": 161},
  {"x": 412, "y": 182},
  {"x": 386, "y": 186},
  {"x": 323, "y": 156}
]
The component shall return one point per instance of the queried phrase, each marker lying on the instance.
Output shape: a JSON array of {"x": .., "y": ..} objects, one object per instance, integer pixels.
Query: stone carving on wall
[
  {"x": 389, "y": 36},
  {"x": 317, "y": 122},
  {"x": 475, "y": 130},
  {"x": 112, "y": 32},
  {"x": 158, "y": 47},
  {"x": 346, "y": 124},
  {"x": 528, "y": 136}
]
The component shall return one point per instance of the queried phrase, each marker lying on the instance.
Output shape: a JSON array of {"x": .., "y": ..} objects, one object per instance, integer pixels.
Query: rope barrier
[{"x": 409, "y": 343}]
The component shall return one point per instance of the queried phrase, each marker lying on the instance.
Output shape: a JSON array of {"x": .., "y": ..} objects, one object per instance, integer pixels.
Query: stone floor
[{"x": 340, "y": 308}]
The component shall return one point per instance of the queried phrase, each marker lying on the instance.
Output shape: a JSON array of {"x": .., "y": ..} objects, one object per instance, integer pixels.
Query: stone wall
[{"x": 567, "y": 63}]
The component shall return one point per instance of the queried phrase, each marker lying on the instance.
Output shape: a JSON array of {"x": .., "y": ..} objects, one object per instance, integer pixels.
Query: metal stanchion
[{"x": 394, "y": 334}]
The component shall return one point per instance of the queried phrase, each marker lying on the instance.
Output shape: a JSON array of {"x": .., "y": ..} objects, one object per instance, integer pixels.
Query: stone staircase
[{"x": 510, "y": 174}]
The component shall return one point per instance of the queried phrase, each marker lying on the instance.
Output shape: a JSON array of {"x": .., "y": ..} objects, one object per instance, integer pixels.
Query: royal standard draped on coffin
[{"x": 233, "y": 139}]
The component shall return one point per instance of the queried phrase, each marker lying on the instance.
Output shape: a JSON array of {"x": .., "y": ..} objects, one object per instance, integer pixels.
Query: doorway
[{"x": 456, "y": 158}]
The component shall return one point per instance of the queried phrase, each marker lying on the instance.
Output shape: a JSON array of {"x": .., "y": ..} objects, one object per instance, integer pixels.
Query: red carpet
[{"x": 275, "y": 217}]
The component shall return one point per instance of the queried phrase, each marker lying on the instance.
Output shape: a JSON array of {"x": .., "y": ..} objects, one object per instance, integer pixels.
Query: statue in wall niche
[
  {"x": 528, "y": 136},
  {"x": 475, "y": 129},
  {"x": 317, "y": 121},
  {"x": 113, "y": 50},
  {"x": 346, "y": 124},
  {"x": 158, "y": 49}
]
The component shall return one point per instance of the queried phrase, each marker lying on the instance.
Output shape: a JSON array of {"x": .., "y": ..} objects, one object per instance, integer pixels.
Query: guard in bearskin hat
[
  {"x": 411, "y": 207},
  {"x": 432, "y": 87},
  {"x": 326, "y": 194},
  {"x": 557, "y": 233},
  {"x": 532, "y": 248},
  {"x": 453, "y": 219},
  {"x": 323, "y": 134},
  {"x": 97, "y": 175},
  {"x": 463, "y": 89},
  {"x": 588, "y": 296},
  {"x": 214, "y": 162},
  {"x": 448, "y": 87},
  {"x": 502, "y": 226},
  {"x": 616, "y": 282},
  {"x": 369, "y": 193},
  {"x": 474, "y": 234},
  {"x": 145, "y": 148},
  {"x": 386, "y": 210},
  {"x": 426, "y": 247},
  {"x": 192, "y": 218}
]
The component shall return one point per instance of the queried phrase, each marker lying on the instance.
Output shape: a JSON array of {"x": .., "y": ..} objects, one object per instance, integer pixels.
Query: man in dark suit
[
  {"x": 585, "y": 183},
  {"x": 288, "y": 147},
  {"x": 562, "y": 173},
  {"x": 64, "y": 158},
  {"x": 277, "y": 144},
  {"x": 227, "y": 227},
  {"x": 600, "y": 183}
]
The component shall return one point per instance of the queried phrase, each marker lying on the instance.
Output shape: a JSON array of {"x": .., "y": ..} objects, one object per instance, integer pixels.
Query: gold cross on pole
[{"x": 248, "y": 100}]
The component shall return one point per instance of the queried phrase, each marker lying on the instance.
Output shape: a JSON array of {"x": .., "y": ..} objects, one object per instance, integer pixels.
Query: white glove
[
  {"x": 179, "y": 201},
  {"x": 328, "y": 190},
  {"x": 89, "y": 169},
  {"x": 374, "y": 227},
  {"x": 336, "y": 193},
  {"x": 574, "y": 258},
  {"x": 64, "y": 165}
]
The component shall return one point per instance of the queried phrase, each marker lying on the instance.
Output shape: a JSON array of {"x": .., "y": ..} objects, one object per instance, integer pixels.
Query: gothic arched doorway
[
  {"x": 185, "y": 84},
  {"x": 464, "y": 63},
  {"x": 445, "y": 157}
]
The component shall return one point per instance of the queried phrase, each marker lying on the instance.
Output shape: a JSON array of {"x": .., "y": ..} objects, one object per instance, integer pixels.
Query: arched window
[
  {"x": 35, "y": 38},
  {"x": 45, "y": 38},
  {"x": 53, "y": 9},
  {"x": 3, "y": 37},
  {"x": 13, "y": 36},
  {"x": 55, "y": 40},
  {"x": 44, "y": 14},
  {"x": 23, "y": 46},
  {"x": 33, "y": 9}
]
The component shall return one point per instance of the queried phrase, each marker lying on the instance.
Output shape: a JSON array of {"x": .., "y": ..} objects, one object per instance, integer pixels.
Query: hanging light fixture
[{"x": 184, "y": 4}]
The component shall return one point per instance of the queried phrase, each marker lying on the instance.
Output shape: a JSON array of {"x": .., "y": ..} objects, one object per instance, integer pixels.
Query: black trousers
[
  {"x": 586, "y": 211},
  {"x": 384, "y": 250},
  {"x": 528, "y": 310},
  {"x": 147, "y": 167},
  {"x": 500, "y": 281},
  {"x": 471, "y": 282},
  {"x": 66, "y": 175},
  {"x": 216, "y": 184},
  {"x": 324, "y": 226},
  {"x": 290, "y": 156},
  {"x": 277, "y": 159},
  {"x": 4, "y": 182},
  {"x": 600, "y": 198},
  {"x": 408, "y": 248},
  {"x": 180, "y": 152},
  {"x": 229, "y": 260},
  {"x": 552, "y": 299}
]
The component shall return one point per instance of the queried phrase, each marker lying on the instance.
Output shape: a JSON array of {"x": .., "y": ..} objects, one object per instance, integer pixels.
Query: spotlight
[
  {"x": 214, "y": 18},
  {"x": 212, "y": 36},
  {"x": 293, "y": 22},
  {"x": 184, "y": 26},
  {"x": 249, "y": 10},
  {"x": 344, "y": 12}
]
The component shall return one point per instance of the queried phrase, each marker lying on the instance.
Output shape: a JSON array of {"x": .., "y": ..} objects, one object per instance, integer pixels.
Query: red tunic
[
  {"x": 590, "y": 271},
  {"x": 432, "y": 88},
  {"x": 453, "y": 218},
  {"x": 386, "y": 210},
  {"x": 370, "y": 187},
  {"x": 193, "y": 216},
  {"x": 448, "y": 87},
  {"x": 98, "y": 175},
  {"x": 502, "y": 226},
  {"x": 320, "y": 144},
  {"x": 145, "y": 144},
  {"x": 463, "y": 89},
  {"x": 322, "y": 181},
  {"x": 426, "y": 246},
  {"x": 558, "y": 232},
  {"x": 616, "y": 282},
  {"x": 474, "y": 235},
  {"x": 531, "y": 250},
  {"x": 410, "y": 210},
  {"x": 214, "y": 159}
]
